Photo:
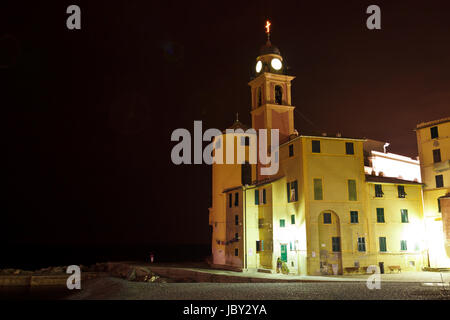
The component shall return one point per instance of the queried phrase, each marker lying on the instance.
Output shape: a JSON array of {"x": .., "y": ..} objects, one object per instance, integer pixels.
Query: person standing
[{"x": 279, "y": 264}]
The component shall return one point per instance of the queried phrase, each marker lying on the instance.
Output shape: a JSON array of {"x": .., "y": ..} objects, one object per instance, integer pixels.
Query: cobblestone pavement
[{"x": 113, "y": 288}]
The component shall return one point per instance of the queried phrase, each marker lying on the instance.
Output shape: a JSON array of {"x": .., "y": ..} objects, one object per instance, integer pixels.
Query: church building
[{"x": 337, "y": 204}]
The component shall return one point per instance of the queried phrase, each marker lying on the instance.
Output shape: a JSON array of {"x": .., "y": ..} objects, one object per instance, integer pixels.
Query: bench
[
  {"x": 351, "y": 269},
  {"x": 393, "y": 268}
]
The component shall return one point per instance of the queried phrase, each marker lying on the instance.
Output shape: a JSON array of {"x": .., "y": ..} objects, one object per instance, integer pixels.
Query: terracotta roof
[
  {"x": 371, "y": 178},
  {"x": 432, "y": 123},
  {"x": 238, "y": 125},
  {"x": 255, "y": 183}
]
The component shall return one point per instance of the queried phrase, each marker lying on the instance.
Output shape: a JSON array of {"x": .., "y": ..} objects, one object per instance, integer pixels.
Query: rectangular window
[
  {"x": 236, "y": 220},
  {"x": 291, "y": 246},
  {"x": 236, "y": 252},
  {"x": 259, "y": 245},
  {"x": 403, "y": 245},
  {"x": 327, "y": 218},
  {"x": 361, "y": 244},
  {"x": 256, "y": 196},
  {"x": 439, "y": 205},
  {"x": 318, "y": 194},
  {"x": 352, "y": 190},
  {"x": 434, "y": 132},
  {"x": 378, "y": 191},
  {"x": 380, "y": 215},
  {"x": 401, "y": 191},
  {"x": 236, "y": 199},
  {"x": 288, "y": 185},
  {"x": 236, "y": 236},
  {"x": 436, "y": 155},
  {"x": 292, "y": 190},
  {"x": 292, "y": 218},
  {"x": 336, "y": 244},
  {"x": 291, "y": 150},
  {"x": 353, "y": 216},
  {"x": 264, "y": 199},
  {"x": 349, "y": 148},
  {"x": 315, "y": 146},
  {"x": 382, "y": 241},
  {"x": 404, "y": 213},
  {"x": 230, "y": 200},
  {"x": 440, "y": 181},
  {"x": 282, "y": 223}
]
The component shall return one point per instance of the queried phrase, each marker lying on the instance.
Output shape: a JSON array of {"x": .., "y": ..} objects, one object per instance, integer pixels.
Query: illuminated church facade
[{"x": 337, "y": 204}]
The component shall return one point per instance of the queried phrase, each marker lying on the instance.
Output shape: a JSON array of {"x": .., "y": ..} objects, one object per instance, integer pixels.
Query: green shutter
[
  {"x": 318, "y": 189},
  {"x": 380, "y": 215},
  {"x": 336, "y": 244},
  {"x": 264, "y": 196},
  {"x": 354, "y": 216},
  {"x": 383, "y": 247},
  {"x": 282, "y": 223},
  {"x": 293, "y": 219},
  {"x": 403, "y": 245},
  {"x": 404, "y": 213},
  {"x": 257, "y": 196},
  {"x": 352, "y": 190}
]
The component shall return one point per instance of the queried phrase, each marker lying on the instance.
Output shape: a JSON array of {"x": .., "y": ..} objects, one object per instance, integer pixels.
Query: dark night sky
[{"x": 87, "y": 115}]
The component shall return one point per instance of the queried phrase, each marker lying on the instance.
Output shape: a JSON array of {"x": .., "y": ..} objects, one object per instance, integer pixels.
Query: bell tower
[{"x": 271, "y": 92}]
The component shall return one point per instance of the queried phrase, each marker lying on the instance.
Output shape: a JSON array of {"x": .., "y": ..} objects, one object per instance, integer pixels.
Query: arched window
[
  {"x": 259, "y": 96},
  {"x": 278, "y": 95}
]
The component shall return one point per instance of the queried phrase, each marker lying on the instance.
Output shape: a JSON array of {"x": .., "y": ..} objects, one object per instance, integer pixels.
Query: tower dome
[{"x": 268, "y": 48}]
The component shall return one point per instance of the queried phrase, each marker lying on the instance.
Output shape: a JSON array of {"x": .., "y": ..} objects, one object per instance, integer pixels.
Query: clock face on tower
[
  {"x": 276, "y": 63},
  {"x": 258, "y": 66}
]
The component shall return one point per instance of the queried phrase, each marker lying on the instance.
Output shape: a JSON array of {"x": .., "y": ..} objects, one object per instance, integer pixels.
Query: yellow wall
[
  {"x": 438, "y": 248},
  {"x": 394, "y": 230}
]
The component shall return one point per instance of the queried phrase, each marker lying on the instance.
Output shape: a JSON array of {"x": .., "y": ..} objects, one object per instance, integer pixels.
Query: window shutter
[
  {"x": 296, "y": 190},
  {"x": 352, "y": 190},
  {"x": 383, "y": 244},
  {"x": 318, "y": 189},
  {"x": 288, "y": 192},
  {"x": 256, "y": 196}
]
